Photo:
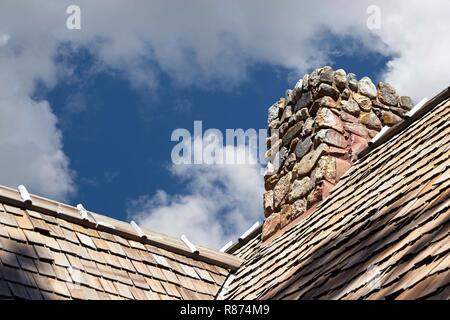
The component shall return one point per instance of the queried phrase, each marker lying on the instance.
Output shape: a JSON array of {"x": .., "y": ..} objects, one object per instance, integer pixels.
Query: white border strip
[
  {"x": 249, "y": 231},
  {"x": 226, "y": 286},
  {"x": 417, "y": 107},
  {"x": 82, "y": 211},
  {"x": 226, "y": 246},
  {"x": 26, "y": 198},
  {"x": 138, "y": 229},
  {"x": 379, "y": 134},
  {"x": 189, "y": 244},
  {"x": 104, "y": 224}
]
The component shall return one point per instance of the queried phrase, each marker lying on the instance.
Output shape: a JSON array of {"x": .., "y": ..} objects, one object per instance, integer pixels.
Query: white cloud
[
  {"x": 210, "y": 43},
  {"x": 220, "y": 202},
  {"x": 30, "y": 143},
  {"x": 30, "y": 148},
  {"x": 416, "y": 33},
  {"x": 200, "y": 43}
]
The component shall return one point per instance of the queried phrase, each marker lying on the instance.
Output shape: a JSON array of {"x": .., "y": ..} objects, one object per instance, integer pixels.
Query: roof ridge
[
  {"x": 104, "y": 223},
  {"x": 253, "y": 232},
  {"x": 409, "y": 120}
]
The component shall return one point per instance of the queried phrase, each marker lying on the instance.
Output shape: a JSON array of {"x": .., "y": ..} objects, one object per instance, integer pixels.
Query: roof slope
[
  {"x": 48, "y": 252},
  {"x": 383, "y": 232}
]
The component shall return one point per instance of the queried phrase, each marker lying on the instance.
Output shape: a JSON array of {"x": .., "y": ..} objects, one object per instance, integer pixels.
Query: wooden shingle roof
[
  {"x": 383, "y": 232},
  {"x": 47, "y": 251}
]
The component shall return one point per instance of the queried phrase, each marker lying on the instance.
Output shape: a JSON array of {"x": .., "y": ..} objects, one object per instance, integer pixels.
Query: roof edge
[
  {"x": 392, "y": 131},
  {"x": 69, "y": 213},
  {"x": 236, "y": 246}
]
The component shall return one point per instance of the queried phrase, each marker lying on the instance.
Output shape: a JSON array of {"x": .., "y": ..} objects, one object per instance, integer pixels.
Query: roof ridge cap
[
  {"x": 114, "y": 226},
  {"x": 409, "y": 120}
]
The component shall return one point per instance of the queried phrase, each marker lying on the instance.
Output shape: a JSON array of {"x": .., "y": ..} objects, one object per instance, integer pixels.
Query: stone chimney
[{"x": 315, "y": 133}]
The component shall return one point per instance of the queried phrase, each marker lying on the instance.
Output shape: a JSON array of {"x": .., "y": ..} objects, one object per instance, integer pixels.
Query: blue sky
[
  {"x": 118, "y": 137},
  {"x": 86, "y": 115}
]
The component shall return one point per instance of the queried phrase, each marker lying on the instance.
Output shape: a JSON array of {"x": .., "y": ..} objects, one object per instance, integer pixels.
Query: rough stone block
[
  {"x": 324, "y": 102},
  {"x": 357, "y": 128},
  {"x": 271, "y": 226},
  {"x": 308, "y": 127},
  {"x": 291, "y": 133},
  {"x": 364, "y": 103},
  {"x": 275, "y": 109},
  {"x": 340, "y": 79},
  {"x": 268, "y": 203},
  {"x": 367, "y": 88},
  {"x": 270, "y": 181},
  {"x": 331, "y": 137},
  {"x": 304, "y": 102},
  {"x": 352, "y": 82},
  {"x": 390, "y": 119},
  {"x": 346, "y": 117},
  {"x": 371, "y": 120},
  {"x": 325, "y": 169},
  {"x": 357, "y": 143},
  {"x": 303, "y": 147},
  {"x": 387, "y": 94},
  {"x": 342, "y": 166},
  {"x": 308, "y": 162},
  {"x": 406, "y": 103},
  {"x": 285, "y": 215},
  {"x": 351, "y": 107},
  {"x": 326, "y": 75},
  {"x": 325, "y": 118},
  {"x": 326, "y": 90},
  {"x": 298, "y": 208},
  {"x": 300, "y": 188},
  {"x": 281, "y": 189}
]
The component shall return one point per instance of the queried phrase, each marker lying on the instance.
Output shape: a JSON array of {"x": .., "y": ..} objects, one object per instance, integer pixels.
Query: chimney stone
[{"x": 315, "y": 132}]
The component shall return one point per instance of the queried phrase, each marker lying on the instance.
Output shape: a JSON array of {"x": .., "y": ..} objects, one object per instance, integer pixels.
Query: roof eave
[{"x": 50, "y": 207}]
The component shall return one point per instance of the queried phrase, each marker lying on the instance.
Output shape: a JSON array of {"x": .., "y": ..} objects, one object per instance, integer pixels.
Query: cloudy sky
[{"x": 87, "y": 115}]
